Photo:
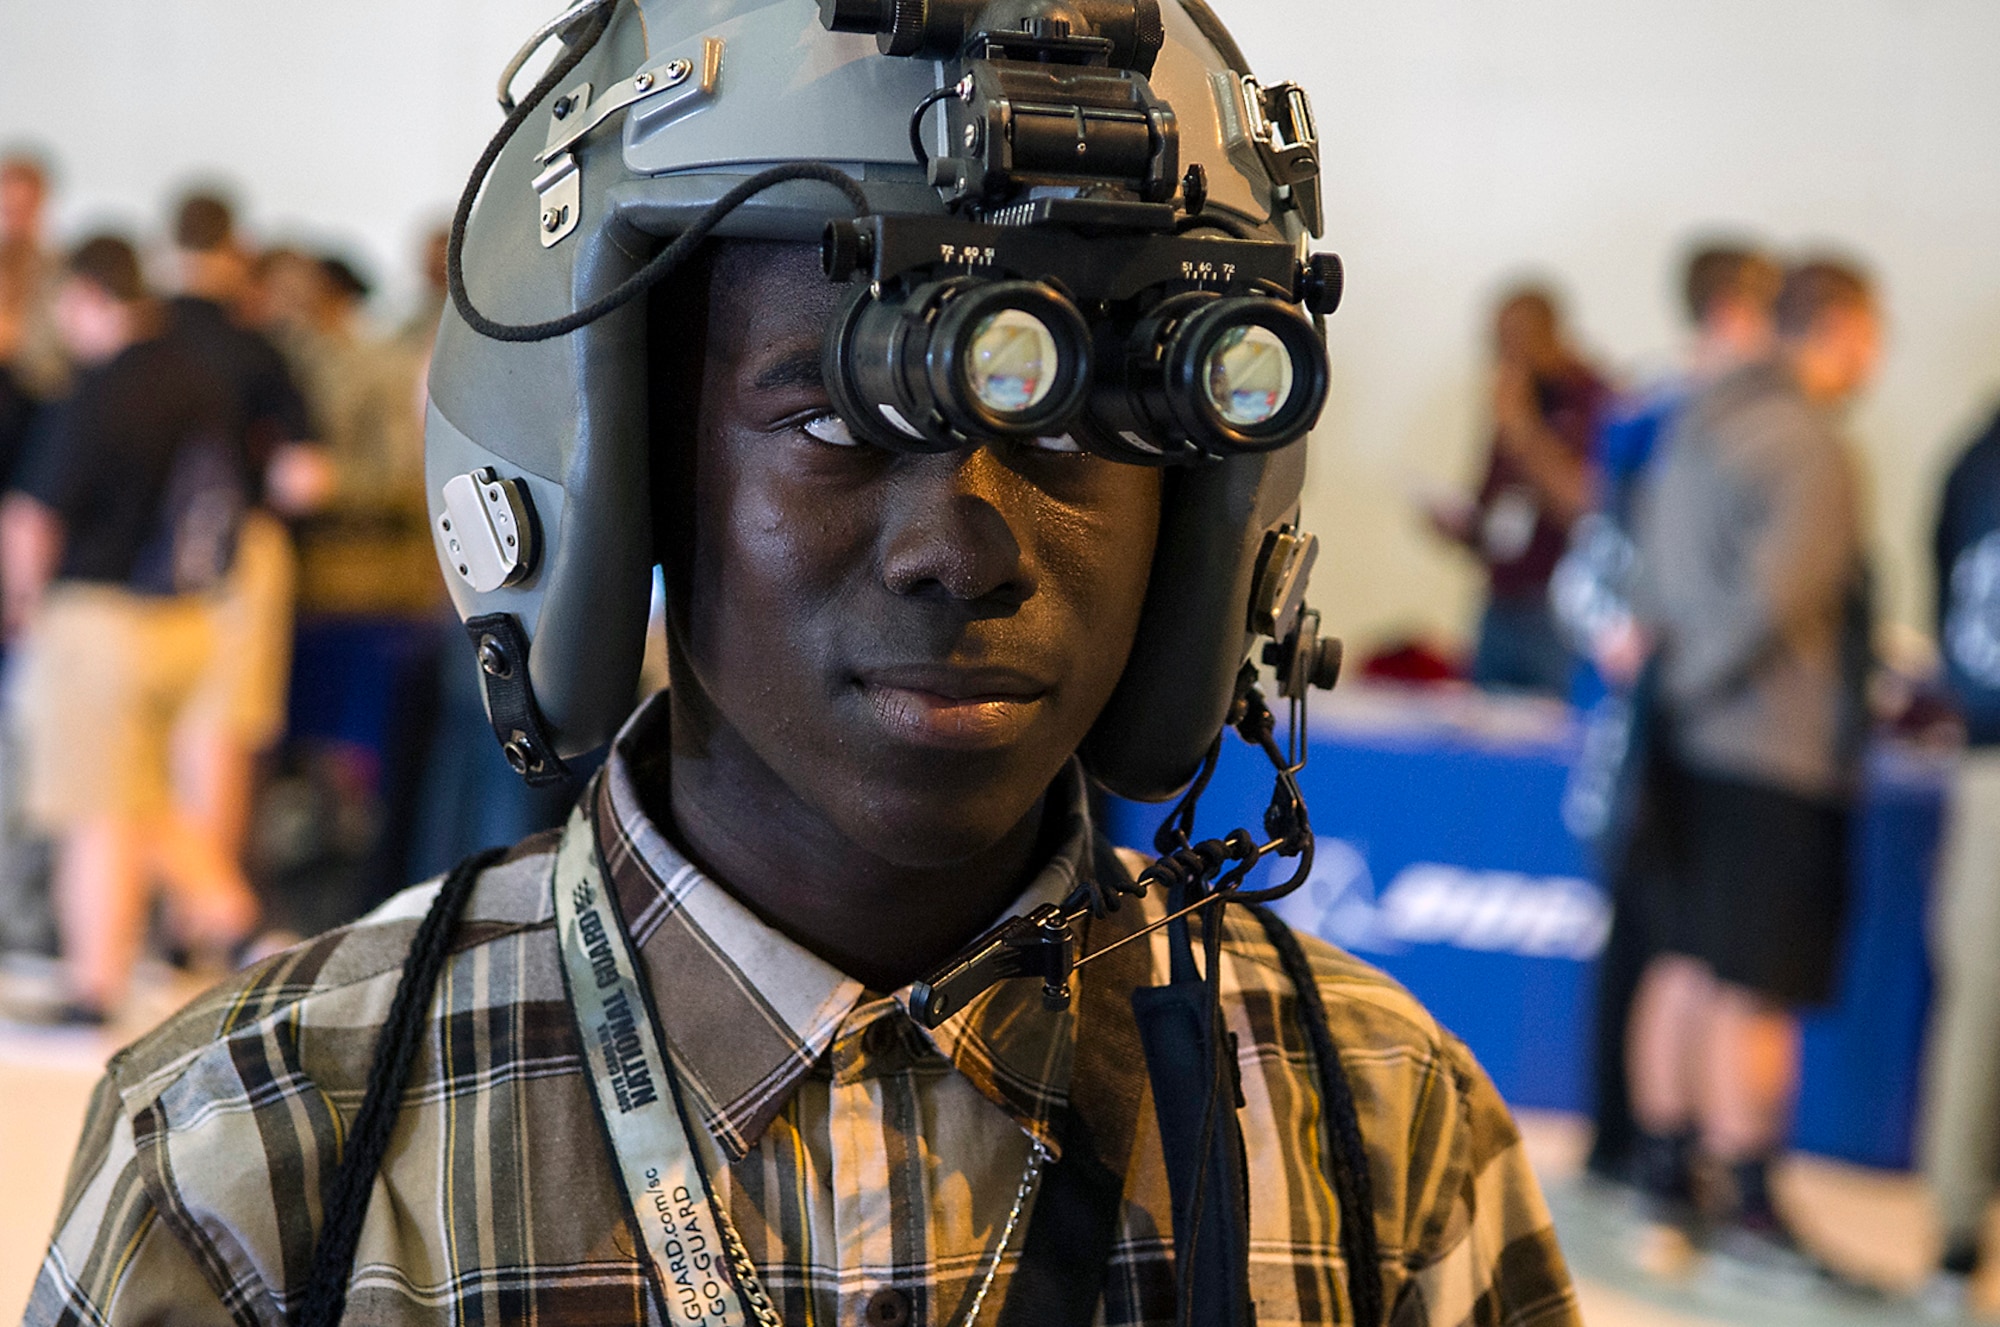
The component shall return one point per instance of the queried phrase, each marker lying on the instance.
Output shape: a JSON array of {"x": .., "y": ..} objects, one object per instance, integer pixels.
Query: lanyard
[{"x": 700, "y": 1268}]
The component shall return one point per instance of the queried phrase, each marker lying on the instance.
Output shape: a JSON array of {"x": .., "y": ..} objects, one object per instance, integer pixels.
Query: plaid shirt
[{"x": 855, "y": 1150}]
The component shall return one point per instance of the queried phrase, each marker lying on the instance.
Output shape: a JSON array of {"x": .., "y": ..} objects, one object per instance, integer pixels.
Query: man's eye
[
  {"x": 829, "y": 429},
  {"x": 1064, "y": 443}
]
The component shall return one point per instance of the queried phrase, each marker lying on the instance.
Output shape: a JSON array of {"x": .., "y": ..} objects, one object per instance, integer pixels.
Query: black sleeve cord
[
  {"x": 661, "y": 265},
  {"x": 1352, "y": 1187},
  {"x": 346, "y": 1197}
]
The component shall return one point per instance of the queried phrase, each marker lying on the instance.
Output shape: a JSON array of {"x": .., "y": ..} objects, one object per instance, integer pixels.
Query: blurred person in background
[
  {"x": 1754, "y": 584},
  {"x": 369, "y": 550},
  {"x": 1546, "y": 404},
  {"x": 281, "y": 295},
  {"x": 1727, "y": 290},
  {"x": 420, "y": 328},
  {"x": 120, "y": 527},
  {"x": 1961, "y": 1125},
  {"x": 32, "y": 368},
  {"x": 286, "y": 477},
  {"x": 31, "y": 353}
]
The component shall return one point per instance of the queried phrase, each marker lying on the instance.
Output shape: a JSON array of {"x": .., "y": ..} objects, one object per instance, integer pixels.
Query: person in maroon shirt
[{"x": 1546, "y": 406}]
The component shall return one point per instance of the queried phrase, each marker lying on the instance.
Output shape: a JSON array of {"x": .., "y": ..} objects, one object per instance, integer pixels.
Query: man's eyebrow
[{"x": 801, "y": 368}]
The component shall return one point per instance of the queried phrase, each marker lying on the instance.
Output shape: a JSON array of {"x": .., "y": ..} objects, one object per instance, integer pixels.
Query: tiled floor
[
  {"x": 1872, "y": 1223},
  {"x": 45, "y": 1082}
]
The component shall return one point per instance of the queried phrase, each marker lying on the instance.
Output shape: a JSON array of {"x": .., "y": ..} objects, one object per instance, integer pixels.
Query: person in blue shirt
[{"x": 1961, "y": 1142}]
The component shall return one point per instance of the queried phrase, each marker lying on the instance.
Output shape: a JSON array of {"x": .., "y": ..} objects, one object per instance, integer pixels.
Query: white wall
[
  {"x": 1468, "y": 141},
  {"x": 350, "y": 124},
  {"x": 1473, "y": 140}
]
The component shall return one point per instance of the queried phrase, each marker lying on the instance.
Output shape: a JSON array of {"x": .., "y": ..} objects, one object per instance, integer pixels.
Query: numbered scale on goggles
[{"x": 1137, "y": 343}]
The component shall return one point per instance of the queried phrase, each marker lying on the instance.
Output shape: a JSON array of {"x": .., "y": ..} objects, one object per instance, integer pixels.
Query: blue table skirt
[{"x": 1444, "y": 858}]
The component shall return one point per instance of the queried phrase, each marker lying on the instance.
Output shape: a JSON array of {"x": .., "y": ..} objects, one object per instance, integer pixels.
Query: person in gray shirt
[{"x": 1754, "y": 588}]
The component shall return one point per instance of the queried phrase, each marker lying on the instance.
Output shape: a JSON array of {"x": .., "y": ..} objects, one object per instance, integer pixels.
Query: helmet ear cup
[{"x": 1195, "y": 632}]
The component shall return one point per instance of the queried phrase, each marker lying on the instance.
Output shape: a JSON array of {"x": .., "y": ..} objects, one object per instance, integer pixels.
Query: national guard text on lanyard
[{"x": 700, "y": 1268}]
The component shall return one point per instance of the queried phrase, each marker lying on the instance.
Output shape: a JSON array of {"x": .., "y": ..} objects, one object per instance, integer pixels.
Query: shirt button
[{"x": 888, "y": 1308}]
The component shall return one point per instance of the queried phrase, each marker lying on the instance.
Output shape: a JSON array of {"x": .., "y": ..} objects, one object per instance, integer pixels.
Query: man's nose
[{"x": 953, "y": 530}]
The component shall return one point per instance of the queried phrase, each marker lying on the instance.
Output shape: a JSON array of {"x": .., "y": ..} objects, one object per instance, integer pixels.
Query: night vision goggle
[
  {"x": 1139, "y": 345},
  {"x": 1067, "y": 297}
]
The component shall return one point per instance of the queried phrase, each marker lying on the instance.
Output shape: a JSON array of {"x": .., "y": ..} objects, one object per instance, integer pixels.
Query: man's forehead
[{"x": 772, "y": 303}]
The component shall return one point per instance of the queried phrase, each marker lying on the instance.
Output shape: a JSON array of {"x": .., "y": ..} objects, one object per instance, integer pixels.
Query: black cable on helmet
[
  {"x": 661, "y": 265},
  {"x": 917, "y": 123},
  {"x": 454, "y": 254}
]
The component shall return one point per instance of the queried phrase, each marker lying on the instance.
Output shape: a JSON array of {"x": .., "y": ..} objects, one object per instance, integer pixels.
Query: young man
[
  {"x": 286, "y": 476},
  {"x": 1726, "y": 291},
  {"x": 884, "y": 665},
  {"x": 1546, "y": 407},
  {"x": 121, "y": 521},
  {"x": 1961, "y": 1145},
  {"x": 30, "y": 350},
  {"x": 1752, "y": 550}
]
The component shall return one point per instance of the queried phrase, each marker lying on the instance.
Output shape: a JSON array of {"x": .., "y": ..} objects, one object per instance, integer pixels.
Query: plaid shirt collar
[{"x": 748, "y": 1013}]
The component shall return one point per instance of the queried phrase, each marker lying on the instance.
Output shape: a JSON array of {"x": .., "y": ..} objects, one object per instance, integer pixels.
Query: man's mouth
[{"x": 964, "y": 709}]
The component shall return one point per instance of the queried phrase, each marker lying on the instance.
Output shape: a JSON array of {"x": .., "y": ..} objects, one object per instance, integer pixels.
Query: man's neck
[
  {"x": 216, "y": 276},
  {"x": 1715, "y": 357},
  {"x": 882, "y": 922}
]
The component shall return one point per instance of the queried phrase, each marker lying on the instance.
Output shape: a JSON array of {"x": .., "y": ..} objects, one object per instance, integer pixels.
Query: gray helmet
[{"x": 537, "y": 451}]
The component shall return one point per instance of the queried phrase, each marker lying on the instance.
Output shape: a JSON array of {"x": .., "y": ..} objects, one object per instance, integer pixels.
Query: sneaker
[
  {"x": 1671, "y": 1231},
  {"x": 1759, "y": 1251}
]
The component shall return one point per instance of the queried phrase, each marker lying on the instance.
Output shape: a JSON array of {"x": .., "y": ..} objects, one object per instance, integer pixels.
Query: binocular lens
[
  {"x": 935, "y": 366},
  {"x": 1202, "y": 374},
  {"x": 1249, "y": 376},
  {"x": 1012, "y": 361}
]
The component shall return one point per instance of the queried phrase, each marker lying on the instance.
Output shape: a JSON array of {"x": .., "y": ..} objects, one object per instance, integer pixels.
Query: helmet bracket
[{"x": 510, "y": 699}]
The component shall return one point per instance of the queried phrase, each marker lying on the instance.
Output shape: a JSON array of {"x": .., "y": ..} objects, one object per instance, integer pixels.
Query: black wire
[
  {"x": 663, "y": 263},
  {"x": 1353, "y": 1184},
  {"x": 660, "y": 266},
  {"x": 346, "y": 1197},
  {"x": 454, "y": 254},
  {"x": 917, "y": 123},
  {"x": 1176, "y": 831}
]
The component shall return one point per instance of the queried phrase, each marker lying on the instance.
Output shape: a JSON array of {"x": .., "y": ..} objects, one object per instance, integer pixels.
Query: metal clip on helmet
[{"x": 1101, "y": 235}]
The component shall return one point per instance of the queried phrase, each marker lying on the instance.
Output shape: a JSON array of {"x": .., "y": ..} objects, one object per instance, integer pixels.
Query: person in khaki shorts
[
  {"x": 122, "y": 523},
  {"x": 287, "y": 476}
]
